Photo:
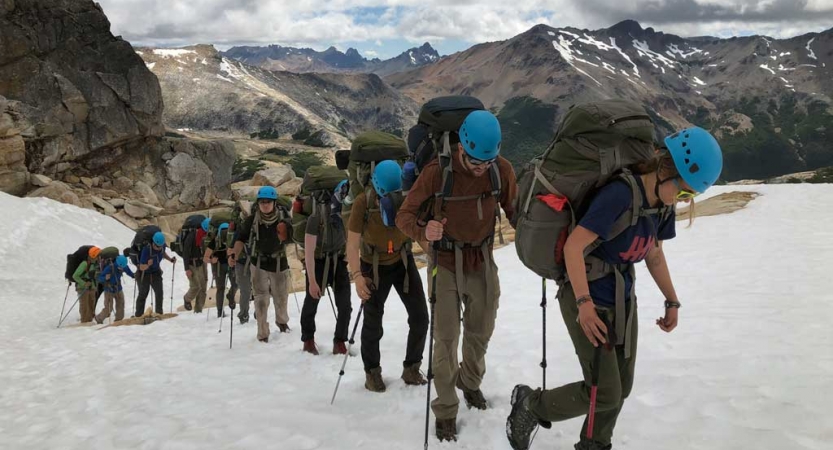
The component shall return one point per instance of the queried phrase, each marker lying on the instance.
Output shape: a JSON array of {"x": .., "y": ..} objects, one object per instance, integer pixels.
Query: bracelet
[
  {"x": 672, "y": 304},
  {"x": 583, "y": 299}
]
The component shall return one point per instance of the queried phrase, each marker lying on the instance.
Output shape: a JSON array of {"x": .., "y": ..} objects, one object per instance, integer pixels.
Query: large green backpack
[
  {"x": 594, "y": 144},
  {"x": 315, "y": 196}
]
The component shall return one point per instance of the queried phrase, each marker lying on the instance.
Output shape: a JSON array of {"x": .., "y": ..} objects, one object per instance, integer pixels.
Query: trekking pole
[
  {"x": 220, "y": 312},
  {"x": 173, "y": 274},
  {"x": 294, "y": 293},
  {"x": 231, "y": 332},
  {"x": 65, "y": 303},
  {"x": 591, "y": 415},
  {"x": 134, "y": 295},
  {"x": 344, "y": 363},
  {"x": 71, "y": 307},
  {"x": 544, "y": 333},
  {"x": 332, "y": 305},
  {"x": 433, "y": 301}
]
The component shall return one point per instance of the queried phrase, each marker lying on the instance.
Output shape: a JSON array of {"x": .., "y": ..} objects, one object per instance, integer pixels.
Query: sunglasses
[
  {"x": 478, "y": 162},
  {"x": 683, "y": 194}
]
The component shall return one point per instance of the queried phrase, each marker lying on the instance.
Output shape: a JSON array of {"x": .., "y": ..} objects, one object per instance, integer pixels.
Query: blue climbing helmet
[
  {"x": 206, "y": 223},
  {"x": 480, "y": 135},
  {"x": 697, "y": 156},
  {"x": 121, "y": 261},
  {"x": 267, "y": 192},
  {"x": 158, "y": 239},
  {"x": 341, "y": 191},
  {"x": 387, "y": 177},
  {"x": 223, "y": 226}
]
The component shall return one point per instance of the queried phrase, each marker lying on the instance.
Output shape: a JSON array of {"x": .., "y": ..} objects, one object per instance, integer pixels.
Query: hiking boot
[
  {"x": 264, "y": 340},
  {"x": 243, "y": 318},
  {"x": 446, "y": 429},
  {"x": 412, "y": 376},
  {"x": 309, "y": 347},
  {"x": 339, "y": 348},
  {"x": 474, "y": 398},
  {"x": 587, "y": 444},
  {"x": 232, "y": 304},
  {"x": 521, "y": 422},
  {"x": 98, "y": 321},
  {"x": 188, "y": 306},
  {"x": 283, "y": 327},
  {"x": 373, "y": 380}
]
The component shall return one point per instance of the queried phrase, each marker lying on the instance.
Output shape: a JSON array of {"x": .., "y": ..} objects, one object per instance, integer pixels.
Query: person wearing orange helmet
[{"x": 85, "y": 285}]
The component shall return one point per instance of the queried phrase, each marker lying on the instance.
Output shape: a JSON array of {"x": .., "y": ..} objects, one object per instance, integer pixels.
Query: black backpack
[
  {"x": 189, "y": 227},
  {"x": 143, "y": 238},
  {"x": 74, "y": 260}
]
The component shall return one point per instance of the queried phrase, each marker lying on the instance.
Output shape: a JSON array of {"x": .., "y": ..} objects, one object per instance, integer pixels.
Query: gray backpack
[{"x": 594, "y": 144}]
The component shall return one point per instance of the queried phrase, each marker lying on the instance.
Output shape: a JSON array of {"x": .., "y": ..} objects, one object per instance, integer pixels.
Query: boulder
[
  {"x": 117, "y": 202},
  {"x": 126, "y": 220},
  {"x": 58, "y": 191},
  {"x": 273, "y": 176},
  {"x": 146, "y": 192},
  {"x": 136, "y": 211},
  {"x": 291, "y": 188},
  {"x": 104, "y": 205},
  {"x": 40, "y": 180}
]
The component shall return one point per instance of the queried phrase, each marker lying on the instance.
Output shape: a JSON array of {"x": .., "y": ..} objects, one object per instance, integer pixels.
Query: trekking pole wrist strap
[{"x": 583, "y": 299}]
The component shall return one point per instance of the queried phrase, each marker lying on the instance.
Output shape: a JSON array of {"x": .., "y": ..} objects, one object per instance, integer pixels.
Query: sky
[{"x": 385, "y": 28}]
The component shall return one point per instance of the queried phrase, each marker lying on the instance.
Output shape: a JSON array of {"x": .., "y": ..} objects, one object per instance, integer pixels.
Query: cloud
[
  {"x": 319, "y": 24},
  {"x": 371, "y": 53}
]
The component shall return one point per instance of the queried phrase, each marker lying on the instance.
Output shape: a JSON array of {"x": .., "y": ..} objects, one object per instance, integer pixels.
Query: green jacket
[{"x": 85, "y": 276}]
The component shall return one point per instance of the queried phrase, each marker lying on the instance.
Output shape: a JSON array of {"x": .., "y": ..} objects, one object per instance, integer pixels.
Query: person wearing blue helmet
[
  {"x": 380, "y": 257},
  {"x": 110, "y": 279},
  {"x": 216, "y": 253},
  {"x": 690, "y": 163},
  {"x": 264, "y": 237},
  {"x": 193, "y": 234},
  {"x": 150, "y": 261},
  {"x": 467, "y": 194}
]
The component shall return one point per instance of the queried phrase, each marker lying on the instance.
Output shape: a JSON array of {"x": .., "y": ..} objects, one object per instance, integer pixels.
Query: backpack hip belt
[{"x": 404, "y": 251}]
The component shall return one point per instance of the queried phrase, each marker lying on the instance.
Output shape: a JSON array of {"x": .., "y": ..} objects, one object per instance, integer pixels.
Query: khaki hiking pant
[
  {"x": 615, "y": 377},
  {"x": 109, "y": 299},
  {"x": 86, "y": 304},
  {"x": 262, "y": 282},
  {"x": 198, "y": 285},
  {"x": 477, "y": 294}
]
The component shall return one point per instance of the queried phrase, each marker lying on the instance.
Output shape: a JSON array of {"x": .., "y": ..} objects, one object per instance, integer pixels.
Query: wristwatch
[{"x": 672, "y": 304}]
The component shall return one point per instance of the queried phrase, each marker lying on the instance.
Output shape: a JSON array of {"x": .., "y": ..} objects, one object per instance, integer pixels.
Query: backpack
[
  {"x": 190, "y": 226},
  {"x": 594, "y": 145},
  {"x": 142, "y": 238},
  {"x": 437, "y": 126},
  {"x": 74, "y": 260},
  {"x": 317, "y": 196},
  {"x": 215, "y": 220}
]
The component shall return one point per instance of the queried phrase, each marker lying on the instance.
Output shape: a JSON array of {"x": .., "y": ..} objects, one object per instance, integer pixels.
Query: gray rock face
[
  {"x": 40, "y": 180},
  {"x": 106, "y": 207}
]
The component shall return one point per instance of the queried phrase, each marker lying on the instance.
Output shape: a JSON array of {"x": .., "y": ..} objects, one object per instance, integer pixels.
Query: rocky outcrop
[{"x": 79, "y": 105}]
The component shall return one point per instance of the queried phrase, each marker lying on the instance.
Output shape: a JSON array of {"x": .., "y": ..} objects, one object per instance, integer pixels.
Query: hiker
[
  {"x": 379, "y": 257},
  {"x": 216, "y": 255},
  {"x": 461, "y": 232},
  {"x": 598, "y": 302},
  {"x": 265, "y": 235},
  {"x": 85, "y": 284},
  {"x": 242, "y": 280},
  {"x": 110, "y": 278},
  {"x": 195, "y": 269},
  {"x": 324, "y": 244},
  {"x": 150, "y": 273}
]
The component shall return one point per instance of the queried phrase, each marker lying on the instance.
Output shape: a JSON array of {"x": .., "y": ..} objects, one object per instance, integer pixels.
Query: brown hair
[{"x": 663, "y": 165}]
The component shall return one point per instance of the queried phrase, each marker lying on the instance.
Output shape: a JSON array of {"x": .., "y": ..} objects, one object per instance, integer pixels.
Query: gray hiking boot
[
  {"x": 446, "y": 429},
  {"x": 373, "y": 380},
  {"x": 474, "y": 398},
  {"x": 521, "y": 423},
  {"x": 587, "y": 444},
  {"x": 412, "y": 376}
]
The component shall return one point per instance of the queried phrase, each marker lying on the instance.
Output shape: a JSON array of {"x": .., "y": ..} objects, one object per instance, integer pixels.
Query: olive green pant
[
  {"x": 479, "y": 308},
  {"x": 197, "y": 286},
  {"x": 615, "y": 377}
]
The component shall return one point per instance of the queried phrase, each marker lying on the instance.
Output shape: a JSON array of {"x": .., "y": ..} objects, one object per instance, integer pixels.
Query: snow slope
[{"x": 749, "y": 366}]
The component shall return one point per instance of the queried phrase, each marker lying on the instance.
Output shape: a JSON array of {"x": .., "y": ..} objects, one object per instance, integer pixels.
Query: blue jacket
[
  {"x": 148, "y": 254},
  {"x": 113, "y": 285}
]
